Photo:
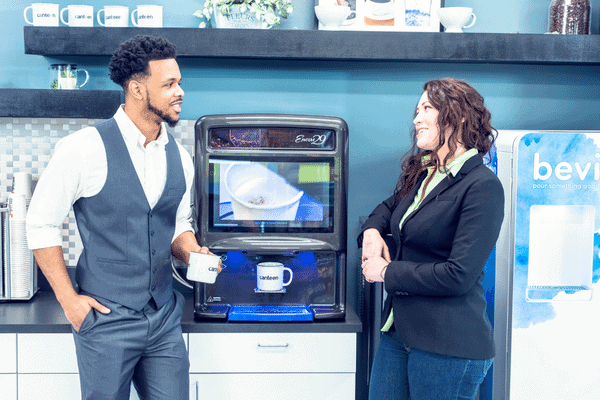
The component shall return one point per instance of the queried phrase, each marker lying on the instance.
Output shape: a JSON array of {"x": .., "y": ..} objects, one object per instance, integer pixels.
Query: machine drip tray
[
  {"x": 270, "y": 313},
  {"x": 257, "y": 290}
]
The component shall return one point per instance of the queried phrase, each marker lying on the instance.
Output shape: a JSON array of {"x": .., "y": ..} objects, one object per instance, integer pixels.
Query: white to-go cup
[
  {"x": 22, "y": 183},
  {"x": 269, "y": 276},
  {"x": 78, "y": 15},
  {"x": 148, "y": 16},
  {"x": 203, "y": 267},
  {"x": 114, "y": 16},
  {"x": 44, "y": 14}
]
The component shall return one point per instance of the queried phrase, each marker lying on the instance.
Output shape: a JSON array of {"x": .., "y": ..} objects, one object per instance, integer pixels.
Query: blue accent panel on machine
[{"x": 270, "y": 313}]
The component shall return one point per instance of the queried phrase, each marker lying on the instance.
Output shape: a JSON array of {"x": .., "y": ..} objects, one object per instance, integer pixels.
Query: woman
[{"x": 445, "y": 216}]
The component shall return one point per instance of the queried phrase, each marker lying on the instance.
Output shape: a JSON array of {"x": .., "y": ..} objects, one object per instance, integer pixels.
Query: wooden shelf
[
  {"x": 327, "y": 45},
  {"x": 47, "y": 103}
]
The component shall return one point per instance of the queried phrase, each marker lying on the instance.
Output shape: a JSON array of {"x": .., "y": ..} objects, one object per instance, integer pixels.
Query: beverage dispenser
[
  {"x": 271, "y": 201},
  {"x": 548, "y": 266}
]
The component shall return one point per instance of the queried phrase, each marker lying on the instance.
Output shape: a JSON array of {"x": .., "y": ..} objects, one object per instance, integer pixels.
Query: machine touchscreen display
[{"x": 270, "y": 195}]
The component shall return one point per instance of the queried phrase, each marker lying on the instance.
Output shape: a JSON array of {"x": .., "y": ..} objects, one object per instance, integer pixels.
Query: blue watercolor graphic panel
[{"x": 553, "y": 169}]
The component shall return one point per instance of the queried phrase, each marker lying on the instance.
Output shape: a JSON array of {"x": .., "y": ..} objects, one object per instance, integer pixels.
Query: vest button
[
  {"x": 151, "y": 233},
  {"x": 154, "y": 270},
  {"x": 153, "y": 252},
  {"x": 153, "y": 288}
]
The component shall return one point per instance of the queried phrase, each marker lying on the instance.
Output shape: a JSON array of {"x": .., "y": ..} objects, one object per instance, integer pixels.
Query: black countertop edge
[
  {"x": 512, "y": 48},
  {"x": 43, "y": 314},
  {"x": 47, "y": 103}
]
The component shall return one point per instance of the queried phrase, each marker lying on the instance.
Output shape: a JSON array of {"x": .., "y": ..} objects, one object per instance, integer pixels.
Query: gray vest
[{"x": 126, "y": 254}]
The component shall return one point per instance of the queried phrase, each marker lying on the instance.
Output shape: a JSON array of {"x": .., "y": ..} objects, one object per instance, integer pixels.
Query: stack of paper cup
[
  {"x": 22, "y": 185},
  {"x": 20, "y": 255}
]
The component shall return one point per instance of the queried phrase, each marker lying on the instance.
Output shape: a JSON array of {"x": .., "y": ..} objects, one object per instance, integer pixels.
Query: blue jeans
[{"x": 403, "y": 373}]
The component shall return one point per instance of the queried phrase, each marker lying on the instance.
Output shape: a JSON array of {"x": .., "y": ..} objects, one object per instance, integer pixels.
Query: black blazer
[{"x": 434, "y": 281}]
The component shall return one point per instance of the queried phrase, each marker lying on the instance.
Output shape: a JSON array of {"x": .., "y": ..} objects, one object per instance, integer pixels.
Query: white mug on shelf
[
  {"x": 114, "y": 16},
  {"x": 148, "y": 16},
  {"x": 331, "y": 16},
  {"x": 44, "y": 14},
  {"x": 79, "y": 15},
  {"x": 64, "y": 76},
  {"x": 455, "y": 19}
]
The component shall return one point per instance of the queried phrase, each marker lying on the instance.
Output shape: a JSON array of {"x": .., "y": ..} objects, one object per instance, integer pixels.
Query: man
[{"x": 129, "y": 184}]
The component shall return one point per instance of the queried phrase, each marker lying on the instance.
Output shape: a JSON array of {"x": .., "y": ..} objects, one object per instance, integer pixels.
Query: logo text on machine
[
  {"x": 268, "y": 278},
  {"x": 315, "y": 140},
  {"x": 543, "y": 170}
]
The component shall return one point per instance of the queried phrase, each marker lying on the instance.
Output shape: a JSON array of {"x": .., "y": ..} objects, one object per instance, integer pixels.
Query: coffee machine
[{"x": 271, "y": 201}]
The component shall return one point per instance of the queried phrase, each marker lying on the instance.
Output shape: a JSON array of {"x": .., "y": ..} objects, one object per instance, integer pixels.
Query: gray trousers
[{"x": 144, "y": 347}]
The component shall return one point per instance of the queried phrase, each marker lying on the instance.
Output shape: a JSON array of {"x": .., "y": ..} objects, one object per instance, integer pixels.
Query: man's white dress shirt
[{"x": 78, "y": 169}]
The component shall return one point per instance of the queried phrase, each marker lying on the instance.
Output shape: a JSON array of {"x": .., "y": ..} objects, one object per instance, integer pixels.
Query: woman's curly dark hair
[
  {"x": 132, "y": 57},
  {"x": 463, "y": 112}
]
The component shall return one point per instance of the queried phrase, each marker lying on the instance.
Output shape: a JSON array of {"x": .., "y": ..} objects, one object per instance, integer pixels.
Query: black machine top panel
[
  {"x": 306, "y": 154},
  {"x": 280, "y": 138}
]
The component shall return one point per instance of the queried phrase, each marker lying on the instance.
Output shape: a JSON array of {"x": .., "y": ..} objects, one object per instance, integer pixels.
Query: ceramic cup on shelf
[
  {"x": 44, "y": 14},
  {"x": 455, "y": 19},
  {"x": 64, "y": 76},
  {"x": 78, "y": 15},
  {"x": 331, "y": 16},
  {"x": 114, "y": 16},
  {"x": 148, "y": 16}
]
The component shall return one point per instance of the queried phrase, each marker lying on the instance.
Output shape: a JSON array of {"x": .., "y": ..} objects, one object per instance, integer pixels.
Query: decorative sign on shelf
[{"x": 386, "y": 15}]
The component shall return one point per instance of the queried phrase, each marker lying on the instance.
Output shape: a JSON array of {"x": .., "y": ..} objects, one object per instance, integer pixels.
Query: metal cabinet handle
[{"x": 274, "y": 345}]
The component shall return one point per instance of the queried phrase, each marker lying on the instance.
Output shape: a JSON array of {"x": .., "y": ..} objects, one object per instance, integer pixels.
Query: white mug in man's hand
[{"x": 203, "y": 267}]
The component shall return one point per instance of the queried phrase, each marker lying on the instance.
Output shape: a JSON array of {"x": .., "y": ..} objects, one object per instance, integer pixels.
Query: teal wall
[{"x": 376, "y": 99}]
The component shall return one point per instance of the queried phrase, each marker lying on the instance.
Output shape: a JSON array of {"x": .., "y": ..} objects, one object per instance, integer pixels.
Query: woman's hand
[
  {"x": 373, "y": 245},
  {"x": 375, "y": 256},
  {"x": 374, "y": 269}
]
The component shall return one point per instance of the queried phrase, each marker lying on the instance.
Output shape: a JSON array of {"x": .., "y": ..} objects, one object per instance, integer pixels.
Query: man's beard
[{"x": 163, "y": 115}]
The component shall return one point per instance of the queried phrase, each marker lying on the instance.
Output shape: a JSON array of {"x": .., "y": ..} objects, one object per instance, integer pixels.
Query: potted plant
[{"x": 245, "y": 13}]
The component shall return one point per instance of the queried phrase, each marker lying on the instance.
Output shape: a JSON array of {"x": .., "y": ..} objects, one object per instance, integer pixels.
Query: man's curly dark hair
[{"x": 132, "y": 57}]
